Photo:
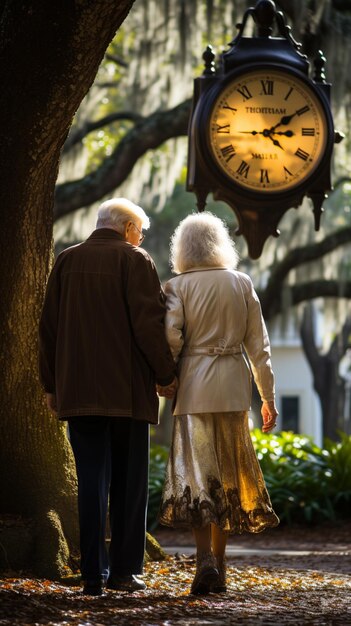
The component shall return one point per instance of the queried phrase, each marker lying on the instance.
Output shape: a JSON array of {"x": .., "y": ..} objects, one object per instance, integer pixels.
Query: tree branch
[
  {"x": 341, "y": 181},
  {"x": 147, "y": 134},
  {"x": 304, "y": 292},
  {"x": 271, "y": 296},
  {"x": 116, "y": 59},
  {"x": 77, "y": 134}
]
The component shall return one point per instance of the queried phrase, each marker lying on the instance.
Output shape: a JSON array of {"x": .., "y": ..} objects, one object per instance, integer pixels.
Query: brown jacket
[{"x": 102, "y": 338}]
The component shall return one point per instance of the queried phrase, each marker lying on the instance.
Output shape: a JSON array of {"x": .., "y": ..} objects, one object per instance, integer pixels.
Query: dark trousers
[{"x": 112, "y": 458}]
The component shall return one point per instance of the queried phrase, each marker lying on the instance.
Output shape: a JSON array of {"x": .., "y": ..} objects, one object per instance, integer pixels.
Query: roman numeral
[
  {"x": 267, "y": 87},
  {"x": 289, "y": 92},
  {"x": 228, "y": 152},
  {"x": 264, "y": 176},
  {"x": 226, "y": 106},
  {"x": 302, "y": 154},
  {"x": 243, "y": 169},
  {"x": 223, "y": 129},
  {"x": 303, "y": 110},
  {"x": 245, "y": 93},
  {"x": 308, "y": 132},
  {"x": 287, "y": 174}
]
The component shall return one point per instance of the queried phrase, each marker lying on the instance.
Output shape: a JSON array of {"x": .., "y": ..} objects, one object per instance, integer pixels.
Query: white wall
[{"x": 293, "y": 378}]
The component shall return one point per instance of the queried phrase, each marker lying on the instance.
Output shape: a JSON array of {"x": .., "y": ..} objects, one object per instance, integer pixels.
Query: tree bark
[{"x": 49, "y": 54}]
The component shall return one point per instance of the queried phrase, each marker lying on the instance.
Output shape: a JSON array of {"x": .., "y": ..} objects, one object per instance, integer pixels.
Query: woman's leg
[
  {"x": 202, "y": 539},
  {"x": 219, "y": 542},
  {"x": 206, "y": 570}
]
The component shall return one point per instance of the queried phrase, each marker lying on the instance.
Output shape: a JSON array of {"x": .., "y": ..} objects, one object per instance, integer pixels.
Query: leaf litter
[{"x": 256, "y": 596}]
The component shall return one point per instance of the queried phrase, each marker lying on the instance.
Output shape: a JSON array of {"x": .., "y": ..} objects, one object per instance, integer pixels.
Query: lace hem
[{"x": 226, "y": 512}]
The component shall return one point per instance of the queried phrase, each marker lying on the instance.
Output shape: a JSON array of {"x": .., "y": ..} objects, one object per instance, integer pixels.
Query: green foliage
[
  {"x": 158, "y": 462},
  {"x": 305, "y": 483}
]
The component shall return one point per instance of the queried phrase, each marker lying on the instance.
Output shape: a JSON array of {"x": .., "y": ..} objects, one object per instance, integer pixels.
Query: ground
[{"x": 283, "y": 576}]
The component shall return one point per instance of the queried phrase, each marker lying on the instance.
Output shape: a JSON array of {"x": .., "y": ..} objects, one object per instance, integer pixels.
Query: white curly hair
[{"x": 202, "y": 240}]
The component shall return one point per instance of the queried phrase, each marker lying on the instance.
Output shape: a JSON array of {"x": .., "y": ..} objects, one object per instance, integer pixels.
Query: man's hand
[
  {"x": 168, "y": 391},
  {"x": 269, "y": 415},
  {"x": 51, "y": 402}
]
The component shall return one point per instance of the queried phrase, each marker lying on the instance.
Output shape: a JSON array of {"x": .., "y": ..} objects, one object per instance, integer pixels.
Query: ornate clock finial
[
  {"x": 209, "y": 57},
  {"x": 264, "y": 14}
]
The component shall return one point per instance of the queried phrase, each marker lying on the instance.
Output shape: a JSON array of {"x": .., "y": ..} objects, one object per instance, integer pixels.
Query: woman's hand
[{"x": 269, "y": 415}]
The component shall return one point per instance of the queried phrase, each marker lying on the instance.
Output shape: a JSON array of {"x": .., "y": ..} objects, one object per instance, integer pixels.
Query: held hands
[
  {"x": 269, "y": 415},
  {"x": 168, "y": 391},
  {"x": 51, "y": 402}
]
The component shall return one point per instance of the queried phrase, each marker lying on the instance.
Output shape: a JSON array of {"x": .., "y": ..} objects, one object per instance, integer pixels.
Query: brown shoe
[
  {"x": 207, "y": 575},
  {"x": 221, "y": 585}
]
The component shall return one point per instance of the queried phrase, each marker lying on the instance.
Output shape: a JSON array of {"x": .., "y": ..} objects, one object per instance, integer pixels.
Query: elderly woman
[{"x": 214, "y": 483}]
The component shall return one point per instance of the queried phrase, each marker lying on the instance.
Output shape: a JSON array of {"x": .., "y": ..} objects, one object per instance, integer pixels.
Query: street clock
[{"x": 261, "y": 132}]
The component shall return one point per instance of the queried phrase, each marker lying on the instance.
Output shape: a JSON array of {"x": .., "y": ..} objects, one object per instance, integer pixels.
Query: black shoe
[
  {"x": 92, "y": 588},
  {"x": 128, "y": 582}
]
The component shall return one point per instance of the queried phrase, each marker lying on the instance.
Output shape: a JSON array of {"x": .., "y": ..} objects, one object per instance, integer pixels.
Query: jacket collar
[
  {"x": 204, "y": 269},
  {"x": 106, "y": 233}
]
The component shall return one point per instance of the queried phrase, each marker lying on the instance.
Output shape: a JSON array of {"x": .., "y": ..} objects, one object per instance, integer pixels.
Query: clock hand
[
  {"x": 284, "y": 121},
  {"x": 266, "y": 133},
  {"x": 287, "y": 133},
  {"x": 275, "y": 141}
]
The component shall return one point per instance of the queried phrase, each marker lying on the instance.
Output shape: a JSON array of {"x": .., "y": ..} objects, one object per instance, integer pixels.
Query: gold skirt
[{"x": 213, "y": 476}]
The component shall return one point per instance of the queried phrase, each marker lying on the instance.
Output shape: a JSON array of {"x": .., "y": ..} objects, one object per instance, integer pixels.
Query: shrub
[
  {"x": 158, "y": 462},
  {"x": 306, "y": 483}
]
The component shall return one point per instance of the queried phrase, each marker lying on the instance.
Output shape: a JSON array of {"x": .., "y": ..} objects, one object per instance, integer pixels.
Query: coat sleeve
[
  {"x": 48, "y": 331},
  {"x": 146, "y": 303},
  {"x": 257, "y": 346},
  {"x": 174, "y": 319}
]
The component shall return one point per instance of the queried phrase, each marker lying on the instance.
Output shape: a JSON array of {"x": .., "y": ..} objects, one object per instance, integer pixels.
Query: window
[{"x": 290, "y": 413}]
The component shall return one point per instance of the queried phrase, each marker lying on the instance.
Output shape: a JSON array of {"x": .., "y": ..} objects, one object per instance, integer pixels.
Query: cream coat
[{"x": 212, "y": 314}]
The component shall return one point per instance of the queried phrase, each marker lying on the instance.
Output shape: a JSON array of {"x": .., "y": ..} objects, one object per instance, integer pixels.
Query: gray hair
[
  {"x": 115, "y": 213},
  {"x": 202, "y": 240}
]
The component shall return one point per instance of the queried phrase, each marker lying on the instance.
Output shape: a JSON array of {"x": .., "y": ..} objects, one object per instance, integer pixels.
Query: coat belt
[{"x": 211, "y": 350}]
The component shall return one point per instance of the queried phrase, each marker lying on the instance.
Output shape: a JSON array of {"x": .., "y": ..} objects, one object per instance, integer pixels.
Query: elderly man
[{"x": 102, "y": 352}]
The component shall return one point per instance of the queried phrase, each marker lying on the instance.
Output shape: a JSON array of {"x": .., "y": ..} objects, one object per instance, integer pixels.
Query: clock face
[{"x": 267, "y": 131}]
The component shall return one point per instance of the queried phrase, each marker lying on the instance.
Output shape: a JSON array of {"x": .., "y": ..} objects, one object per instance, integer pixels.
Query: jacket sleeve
[
  {"x": 174, "y": 319},
  {"x": 257, "y": 346},
  {"x": 48, "y": 332},
  {"x": 146, "y": 302}
]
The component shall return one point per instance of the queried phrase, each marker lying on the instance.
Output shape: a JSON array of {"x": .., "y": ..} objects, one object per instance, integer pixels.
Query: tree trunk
[
  {"x": 325, "y": 369},
  {"x": 49, "y": 55}
]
